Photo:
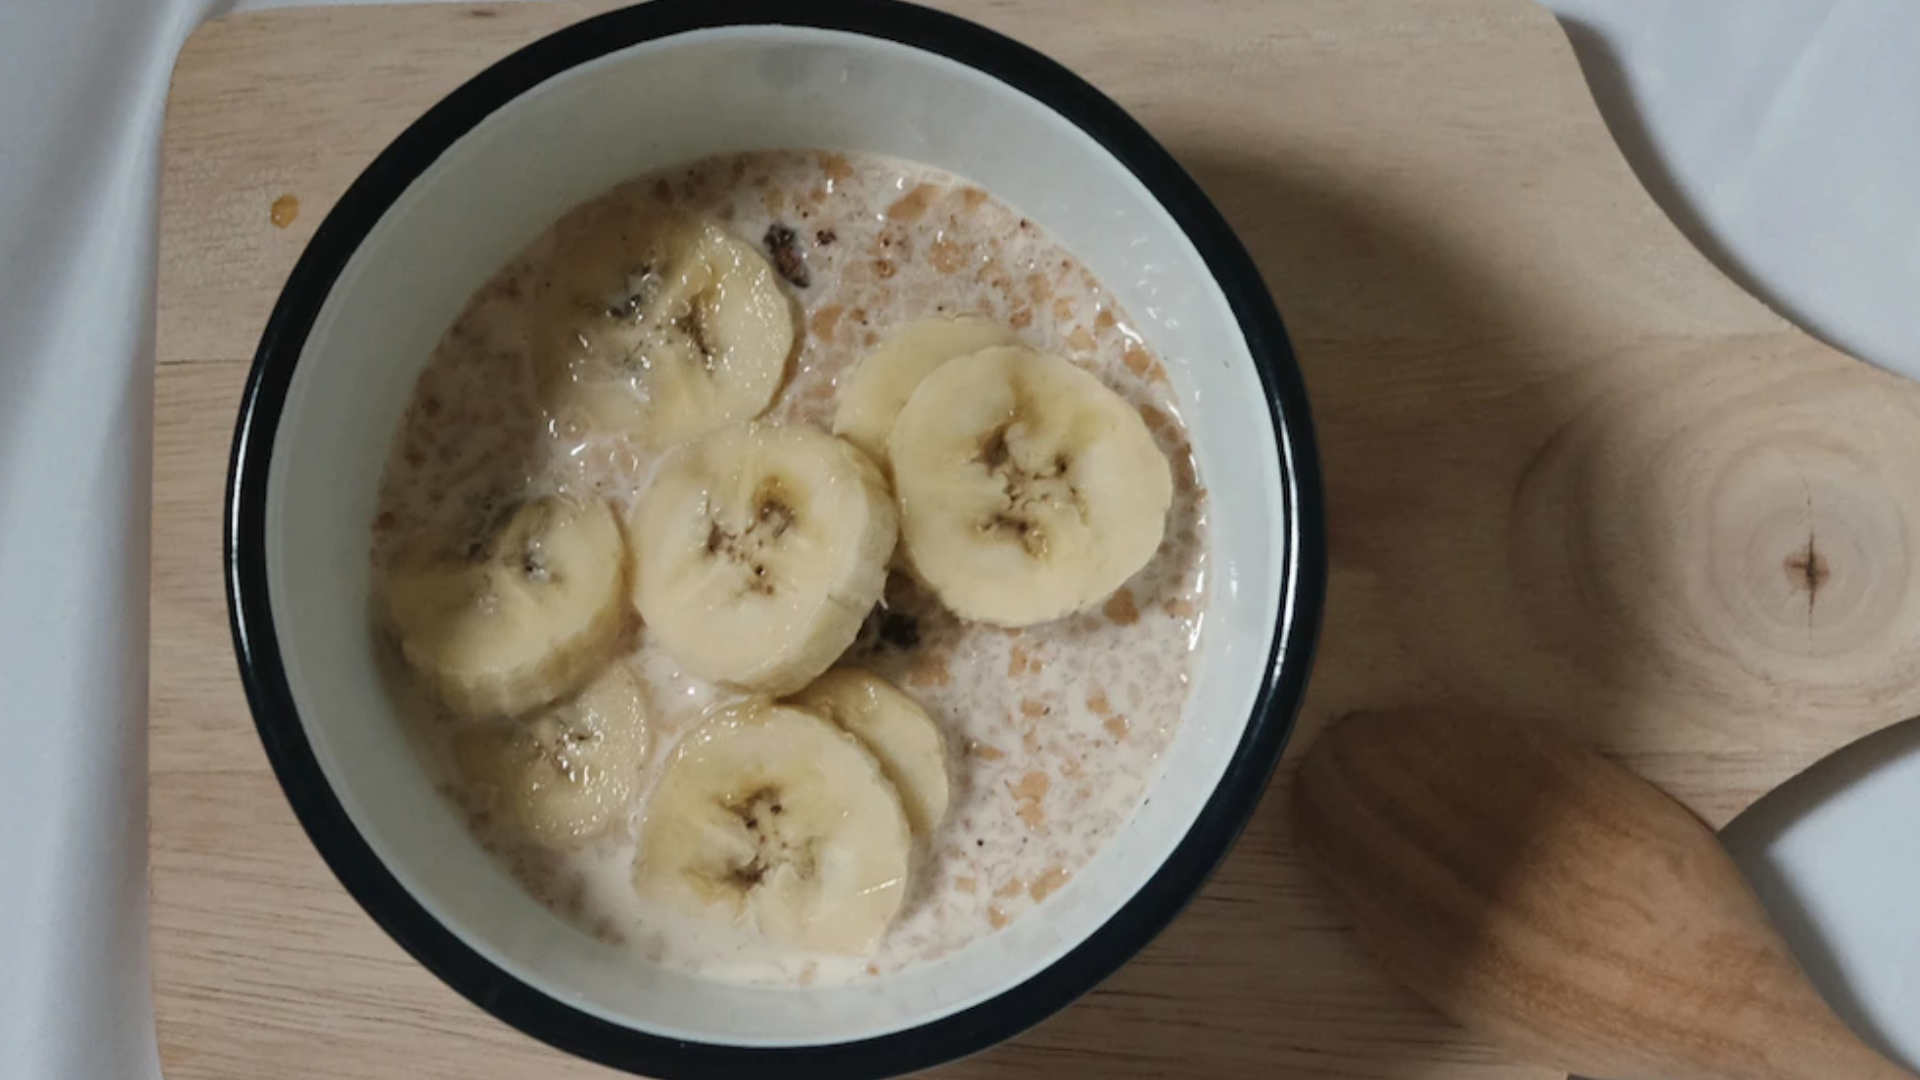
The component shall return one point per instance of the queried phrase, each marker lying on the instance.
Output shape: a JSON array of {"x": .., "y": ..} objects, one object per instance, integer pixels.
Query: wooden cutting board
[{"x": 1572, "y": 471}]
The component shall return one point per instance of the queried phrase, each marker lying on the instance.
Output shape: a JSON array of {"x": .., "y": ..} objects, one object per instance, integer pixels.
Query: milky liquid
[{"x": 1053, "y": 732}]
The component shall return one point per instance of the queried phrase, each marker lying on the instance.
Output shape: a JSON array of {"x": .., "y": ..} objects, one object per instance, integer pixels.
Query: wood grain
[
  {"x": 1547, "y": 897},
  {"x": 1572, "y": 472}
]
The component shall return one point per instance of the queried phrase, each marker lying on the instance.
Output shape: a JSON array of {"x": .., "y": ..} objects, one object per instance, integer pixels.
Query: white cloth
[{"x": 1784, "y": 137}]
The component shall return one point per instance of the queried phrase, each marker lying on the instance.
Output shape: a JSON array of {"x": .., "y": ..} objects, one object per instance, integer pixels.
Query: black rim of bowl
[{"x": 1129, "y": 929}]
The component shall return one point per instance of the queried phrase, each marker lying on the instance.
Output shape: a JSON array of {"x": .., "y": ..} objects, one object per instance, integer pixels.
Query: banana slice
[
  {"x": 886, "y": 377},
  {"x": 759, "y": 551},
  {"x": 522, "y": 617},
  {"x": 658, "y": 325},
  {"x": 567, "y": 772},
  {"x": 771, "y": 817},
  {"x": 895, "y": 729},
  {"x": 1028, "y": 489}
]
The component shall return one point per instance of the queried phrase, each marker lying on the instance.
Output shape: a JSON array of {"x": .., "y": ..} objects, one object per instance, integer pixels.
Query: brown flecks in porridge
[
  {"x": 912, "y": 205},
  {"x": 1138, "y": 360},
  {"x": 826, "y": 320},
  {"x": 1032, "y": 709},
  {"x": 1117, "y": 726},
  {"x": 1184, "y": 478},
  {"x": 1157, "y": 421},
  {"x": 1121, "y": 608},
  {"x": 1033, "y": 816},
  {"x": 930, "y": 670},
  {"x": 883, "y": 269},
  {"x": 947, "y": 256},
  {"x": 1033, "y": 796},
  {"x": 985, "y": 752},
  {"x": 783, "y": 246},
  {"x": 873, "y": 969},
  {"x": 1048, "y": 883},
  {"x": 893, "y": 240},
  {"x": 1010, "y": 888},
  {"x": 1030, "y": 792},
  {"x": 836, "y": 166}
]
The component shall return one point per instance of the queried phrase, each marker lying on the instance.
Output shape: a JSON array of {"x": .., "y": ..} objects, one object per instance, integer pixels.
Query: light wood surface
[
  {"x": 1572, "y": 472},
  {"x": 1548, "y": 898}
]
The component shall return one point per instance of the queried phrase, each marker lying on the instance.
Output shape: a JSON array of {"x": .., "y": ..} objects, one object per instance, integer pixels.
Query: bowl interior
[{"x": 570, "y": 138}]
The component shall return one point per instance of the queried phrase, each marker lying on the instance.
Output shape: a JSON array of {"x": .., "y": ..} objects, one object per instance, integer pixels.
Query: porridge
[{"x": 808, "y": 613}]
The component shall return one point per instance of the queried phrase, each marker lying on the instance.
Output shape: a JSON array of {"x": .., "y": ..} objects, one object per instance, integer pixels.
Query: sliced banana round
[
  {"x": 568, "y": 771},
  {"x": 773, "y": 818},
  {"x": 521, "y": 617},
  {"x": 1028, "y": 490},
  {"x": 759, "y": 551},
  {"x": 886, "y": 377},
  {"x": 895, "y": 729},
  {"x": 658, "y": 325}
]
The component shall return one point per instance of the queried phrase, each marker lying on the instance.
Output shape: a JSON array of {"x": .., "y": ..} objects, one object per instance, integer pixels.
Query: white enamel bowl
[{"x": 477, "y": 178}]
